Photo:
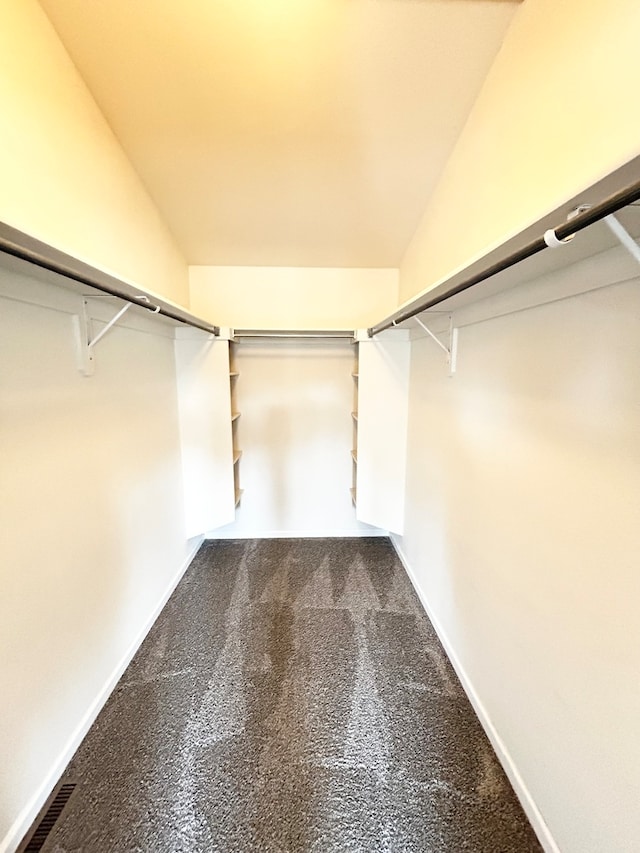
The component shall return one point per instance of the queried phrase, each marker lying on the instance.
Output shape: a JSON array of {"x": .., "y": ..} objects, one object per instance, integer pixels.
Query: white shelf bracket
[
  {"x": 85, "y": 341},
  {"x": 451, "y": 350},
  {"x": 623, "y": 236}
]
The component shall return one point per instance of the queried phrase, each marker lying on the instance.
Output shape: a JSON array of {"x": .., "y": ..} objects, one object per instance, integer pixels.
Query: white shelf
[{"x": 233, "y": 374}]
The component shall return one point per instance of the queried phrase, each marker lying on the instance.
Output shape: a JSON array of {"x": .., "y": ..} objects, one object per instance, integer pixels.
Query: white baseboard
[
  {"x": 522, "y": 792},
  {"x": 29, "y": 813},
  {"x": 294, "y": 534}
]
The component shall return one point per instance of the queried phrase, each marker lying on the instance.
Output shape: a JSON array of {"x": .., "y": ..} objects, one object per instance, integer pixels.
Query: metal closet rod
[
  {"x": 610, "y": 205},
  {"x": 27, "y": 248},
  {"x": 294, "y": 333}
]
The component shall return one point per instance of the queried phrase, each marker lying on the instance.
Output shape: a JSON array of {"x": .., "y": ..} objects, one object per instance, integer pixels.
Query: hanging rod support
[
  {"x": 85, "y": 343},
  {"x": 452, "y": 349},
  {"x": 432, "y": 336},
  {"x": 109, "y": 325},
  {"x": 550, "y": 237},
  {"x": 623, "y": 236}
]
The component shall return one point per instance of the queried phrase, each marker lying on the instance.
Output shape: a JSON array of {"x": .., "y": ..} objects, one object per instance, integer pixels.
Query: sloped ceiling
[{"x": 286, "y": 132}]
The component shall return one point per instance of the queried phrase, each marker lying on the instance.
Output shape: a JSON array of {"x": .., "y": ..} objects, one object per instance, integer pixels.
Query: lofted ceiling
[{"x": 286, "y": 132}]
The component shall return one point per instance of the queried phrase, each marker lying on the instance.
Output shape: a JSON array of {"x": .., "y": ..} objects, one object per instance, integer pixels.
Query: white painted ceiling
[{"x": 286, "y": 132}]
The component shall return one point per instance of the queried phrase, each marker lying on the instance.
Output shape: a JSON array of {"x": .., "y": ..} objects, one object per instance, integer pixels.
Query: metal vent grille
[{"x": 49, "y": 818}]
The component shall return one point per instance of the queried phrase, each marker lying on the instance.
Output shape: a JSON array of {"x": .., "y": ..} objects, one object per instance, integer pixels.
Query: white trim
[
  {"x": 294, "y": 534},
  {"x": 29, "y": 813},
  {"x": 517, "y": 782}
]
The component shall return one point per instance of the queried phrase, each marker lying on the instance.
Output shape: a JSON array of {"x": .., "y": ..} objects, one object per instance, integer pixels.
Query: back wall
[{"x": 293, "y": 297}]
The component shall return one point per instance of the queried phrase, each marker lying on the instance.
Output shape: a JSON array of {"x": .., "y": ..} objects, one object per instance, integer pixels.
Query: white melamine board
[
  {"x": 204, "y": 405},
  {"x": 383, "y": 394}
]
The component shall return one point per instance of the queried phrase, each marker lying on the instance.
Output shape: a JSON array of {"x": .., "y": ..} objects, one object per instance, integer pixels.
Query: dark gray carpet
[{"x": 292, "y": 696}]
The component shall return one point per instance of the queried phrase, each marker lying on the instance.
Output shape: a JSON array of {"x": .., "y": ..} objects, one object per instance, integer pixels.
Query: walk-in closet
[{"x": 319, "y": 426}]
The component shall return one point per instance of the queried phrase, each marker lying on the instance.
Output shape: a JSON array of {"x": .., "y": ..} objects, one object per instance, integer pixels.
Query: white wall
[
  {"x": 92, "y": 533},
  {"x": 64, "y": 177},
  {"x": 523, "y": 501},
  {"x": 295, "y": 433},
  {"x": 552, "y": 119},
  {"x": 293, "y": 297}
]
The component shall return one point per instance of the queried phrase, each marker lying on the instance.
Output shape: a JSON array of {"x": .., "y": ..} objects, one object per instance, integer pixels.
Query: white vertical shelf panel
[
  {"x": 383, "y": 406},
  {"x": 204, "y": 407}
]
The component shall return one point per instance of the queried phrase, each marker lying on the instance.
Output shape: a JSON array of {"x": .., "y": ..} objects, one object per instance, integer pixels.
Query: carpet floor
[{"x": 291, "y": 697}]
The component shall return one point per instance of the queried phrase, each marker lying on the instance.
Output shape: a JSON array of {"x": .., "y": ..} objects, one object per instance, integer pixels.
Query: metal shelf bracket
[
  {"x": 452, "y": 349},
  {"x": 623, "y": 236},
  {"x": 85, "y": 340}
]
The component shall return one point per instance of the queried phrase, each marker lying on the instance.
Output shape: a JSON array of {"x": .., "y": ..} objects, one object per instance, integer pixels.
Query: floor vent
[{"x": 49, "y": 818}]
